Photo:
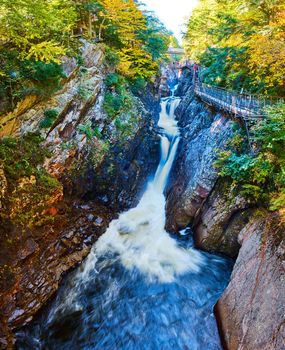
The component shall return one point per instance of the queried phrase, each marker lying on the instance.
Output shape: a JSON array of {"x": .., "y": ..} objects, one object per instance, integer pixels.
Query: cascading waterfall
[
  {"x": 138, "y": 236},
  {"x": 138, "y": 288}
]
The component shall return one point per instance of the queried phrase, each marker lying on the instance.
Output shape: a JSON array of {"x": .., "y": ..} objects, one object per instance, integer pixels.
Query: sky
[{"x": 172, "y": 13}]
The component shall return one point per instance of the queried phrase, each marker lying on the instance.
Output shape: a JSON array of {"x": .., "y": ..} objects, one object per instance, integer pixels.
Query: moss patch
[{"x": 30, "y": 191}]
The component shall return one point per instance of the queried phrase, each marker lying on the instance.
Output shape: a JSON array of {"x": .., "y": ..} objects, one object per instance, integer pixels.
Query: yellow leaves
[
  {"x": 47, "y": 51},
  {"x": 136, "y": 62},
  {"x": 126, "y": 16},
  {"x": 267, "y": 59}
]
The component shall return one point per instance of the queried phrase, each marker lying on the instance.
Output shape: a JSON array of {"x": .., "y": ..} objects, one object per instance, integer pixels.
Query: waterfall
[
  {"x": 138, "y": 288},
  {"x": 138, "y": 235}
]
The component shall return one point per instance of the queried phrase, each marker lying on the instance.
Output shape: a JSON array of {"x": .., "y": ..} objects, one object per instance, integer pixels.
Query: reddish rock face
[
  {"x": 251, "y": 311},
  {"x": 38, "y": 264}
]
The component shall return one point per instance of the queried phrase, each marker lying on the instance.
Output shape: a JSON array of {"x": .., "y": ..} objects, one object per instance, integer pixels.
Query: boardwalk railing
[
  {"x": 245, "y": 106},
  {"x": 250, "y": 108}
]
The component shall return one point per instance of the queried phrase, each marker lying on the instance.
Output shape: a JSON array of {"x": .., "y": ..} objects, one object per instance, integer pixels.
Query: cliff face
[
  {"x": 220, "y": 219},
  {"x": 193, "y": 176},
  {"x": 251, "y": 311},
  {"x": 70, "y": 184}
]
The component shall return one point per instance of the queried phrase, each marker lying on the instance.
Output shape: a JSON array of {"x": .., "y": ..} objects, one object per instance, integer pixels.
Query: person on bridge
[{"x": 195, "y": 71}]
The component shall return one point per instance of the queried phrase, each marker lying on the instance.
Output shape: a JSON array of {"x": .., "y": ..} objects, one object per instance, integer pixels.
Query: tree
[
  {"x": 37, "y": 29},
  {"x": 242, "y": 41}
]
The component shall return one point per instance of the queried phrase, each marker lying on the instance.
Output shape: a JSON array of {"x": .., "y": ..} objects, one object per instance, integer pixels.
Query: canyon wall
[
  {"x": 250, "y": 313},
  {"x": 49, "y": 222}
]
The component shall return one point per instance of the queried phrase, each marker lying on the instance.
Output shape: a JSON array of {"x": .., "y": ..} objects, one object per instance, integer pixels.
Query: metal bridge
[
  {"x": 175, "y": 51},
  {"x": 243, "y": 105},
  {"x": 248, "y": 107}
]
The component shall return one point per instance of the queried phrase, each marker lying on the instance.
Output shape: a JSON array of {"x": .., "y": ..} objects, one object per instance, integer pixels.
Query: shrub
[
  {"x": 117, "y": 99},
  {"x": 46, "y": 77},
  {"x": 50, "y": 116},
  {"x": 138, "y": 85},
  {"x": 21, "y": 157},
  {"x": 113, "y": 104},
  {"x": 88, "y": 130},
  {"x": 111, "y": 57},
  {"x": 83, "y": 92},
  {"x": 260, "y": 175},
  {"x": 113, "y": 80},
  {"x": 30, "y": 188}
]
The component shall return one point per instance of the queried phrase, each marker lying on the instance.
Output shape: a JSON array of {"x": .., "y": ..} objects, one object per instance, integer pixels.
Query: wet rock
[
  {"x": 120, "y": 179},
  {"x": 164, "y": 89},
  {"x": 27, "y": 249},
  {"x": 124, "y": 230},
  {"x": 221, "y": 219},
  {"x": 41, "y": 264},
  {"x": 184, "y": 85},
  {"x": 90, "y": 217},
  {"x": 99, "y": 221},
  {"x": 170, "y": 74},
  {"x": 17, "y": 313},
  {"x": 251, "y": 310},
  {"x": 193, "y": 175}
]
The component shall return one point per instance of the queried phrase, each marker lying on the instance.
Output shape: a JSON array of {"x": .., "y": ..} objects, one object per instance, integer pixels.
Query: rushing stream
[{"x": 139, "y": 288}]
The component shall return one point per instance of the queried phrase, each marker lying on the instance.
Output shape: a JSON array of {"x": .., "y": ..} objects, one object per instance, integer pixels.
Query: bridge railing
[{"x": 244, "y": 105}]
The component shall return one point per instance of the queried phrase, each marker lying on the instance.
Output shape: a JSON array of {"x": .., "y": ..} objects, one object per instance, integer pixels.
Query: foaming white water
[
  {"x": 138, "y": 235},
  {"x": 166, "y": 119}
]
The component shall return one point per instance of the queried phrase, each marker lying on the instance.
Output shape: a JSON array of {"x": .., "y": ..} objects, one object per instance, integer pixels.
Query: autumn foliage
[
  {"x": 35, "y": 35},
  {"x": 241, "y": 43}
]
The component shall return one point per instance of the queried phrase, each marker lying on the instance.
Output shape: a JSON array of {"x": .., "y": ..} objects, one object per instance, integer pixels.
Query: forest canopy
[
  {"x": 241, "y": 44},
  {"x": 35, "y": 35}
]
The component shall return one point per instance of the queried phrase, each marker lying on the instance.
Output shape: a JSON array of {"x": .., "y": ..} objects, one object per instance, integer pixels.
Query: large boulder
[
  {"x": 221, "y": 218},
  {"x": 251, "y": 310},
  {"x": 164, "y": 89}
]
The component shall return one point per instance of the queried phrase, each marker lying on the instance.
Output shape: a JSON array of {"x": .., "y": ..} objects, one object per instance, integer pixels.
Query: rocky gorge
[
  {"x": 92, "y": 177},
  {"x": 226, "y": 222},
  {"x": 94, "y": 187}
]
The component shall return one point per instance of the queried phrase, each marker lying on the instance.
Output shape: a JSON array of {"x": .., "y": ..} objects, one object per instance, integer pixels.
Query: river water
[{"x": 139, "y": 288}]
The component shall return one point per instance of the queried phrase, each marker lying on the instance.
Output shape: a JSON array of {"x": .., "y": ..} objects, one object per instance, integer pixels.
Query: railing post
[{"x": 234, "y": 104}]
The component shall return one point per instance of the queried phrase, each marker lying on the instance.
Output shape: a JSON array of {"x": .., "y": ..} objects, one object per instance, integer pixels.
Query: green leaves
[
  {"x": 88, "y": 130},
  {"x": 260, "y": 176},
  {"x": 38, "y": 29},
  {"x": 117, "y": 99},
  {"x": 49, "y": 119},
  {"x": 241, "y": 43},
  {"x": 21, "y": 157}
]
